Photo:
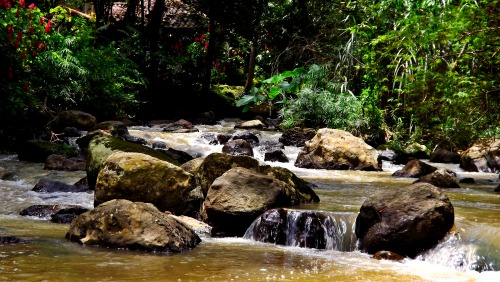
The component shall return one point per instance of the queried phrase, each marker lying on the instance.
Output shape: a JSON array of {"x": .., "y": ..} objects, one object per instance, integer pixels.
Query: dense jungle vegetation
[{"x": 424, "y": 71}]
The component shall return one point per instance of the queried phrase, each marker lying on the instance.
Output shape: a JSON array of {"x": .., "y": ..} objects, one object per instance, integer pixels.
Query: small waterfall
[
  {"x": 305, "y": 228},
  {"x": 463, "y": 254}
]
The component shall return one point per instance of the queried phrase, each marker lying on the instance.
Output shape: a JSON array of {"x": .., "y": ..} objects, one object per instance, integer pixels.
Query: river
[{"x": 47, "y": 256}]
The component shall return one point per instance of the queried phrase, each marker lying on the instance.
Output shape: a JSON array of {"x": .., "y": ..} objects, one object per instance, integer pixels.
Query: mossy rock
[
  {"x": 102, "y": 146},
  {"x": 38, "y": 150},
  {"x": 229, "y": 93}
]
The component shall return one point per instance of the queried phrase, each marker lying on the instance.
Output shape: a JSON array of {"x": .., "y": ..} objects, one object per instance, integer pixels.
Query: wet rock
[
  {"x": 251, "y": 137},
  {"x": 136, "y": 226},
  {"x": 211, "y": 138},
  {"x": 179, "y": 126},
  {"x": 406, "y": 221},
  {"x": 53, "y": 186},
  {"x": 467, "y": 180},
  {"x": 444, "y": 156},
  {"x": 142, "y": 178},
  {"x": 67, "y": 214},
  {"x": 222, "y": 138},
  {"x": 482, "y": 156},
  {"x": 178, "y": 155},
  {"x": 251, "y": 124},
  {"x": 9, "y": 240},
  {"x": 158, "y": 145},
  {"x": 59, "y": 162},
  {"x": 237, "y": 197},
  {"x": 387, "y": 255},
  {"x": 439, "y": 179},
  {"x": 276, "y": 156},
  {"x": 337, "y": 149},
  {"x": 303, "y": 228},
  {"x": 238, "y": 148},
  {"x": 297, "y": 136},
  {"x": 497, "y": 189},
  {"x": 45, "y": 211},
  {"x": 414, "y": 168}
]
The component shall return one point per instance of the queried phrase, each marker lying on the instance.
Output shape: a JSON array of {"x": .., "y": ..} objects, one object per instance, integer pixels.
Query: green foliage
[
  {"x": 76, "y": 73},
  {"x": 275, "y": 86}
]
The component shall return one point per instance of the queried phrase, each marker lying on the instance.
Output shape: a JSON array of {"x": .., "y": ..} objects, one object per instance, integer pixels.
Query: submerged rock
[
  {"x": 9, "y": 240},
  {"x": 387, "y": 255},
  {"x": 135, "y": 226},
  {"x": 58, "y": 162},
  {"x": 406, "y": 221}
]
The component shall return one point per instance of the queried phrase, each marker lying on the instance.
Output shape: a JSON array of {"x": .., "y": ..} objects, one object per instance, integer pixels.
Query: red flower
[
  {"x": 47, "y": 26},
  {"x": 21, "y": 4},
  {"x": 26, "y": 86},
  {"x": 10, "y": 29},
  {"x": 10, "y": 74},
  {"x": 32, "y": 6},
  {"x": 42, "y": 20},
  {"x": 19, "y": 36}
]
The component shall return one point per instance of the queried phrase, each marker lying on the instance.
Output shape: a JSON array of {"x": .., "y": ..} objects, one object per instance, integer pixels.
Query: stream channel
[{"x": 471, "y": 254}]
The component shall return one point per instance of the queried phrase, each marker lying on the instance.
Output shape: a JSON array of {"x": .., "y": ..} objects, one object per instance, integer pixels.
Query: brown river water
[{"x": 47, "y": 256}]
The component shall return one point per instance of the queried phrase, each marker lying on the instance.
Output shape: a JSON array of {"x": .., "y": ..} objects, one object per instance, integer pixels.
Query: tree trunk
[
  {"x": 210, "y": 57},
  {"x": 251, "y": 66}
]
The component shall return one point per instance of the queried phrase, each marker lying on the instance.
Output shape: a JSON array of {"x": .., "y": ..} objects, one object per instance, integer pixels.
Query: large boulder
[
  {"x": 77, "y": 119},
  {"x": 101, "y": 146},
  {"x": 337, "y": 149},
  {"x": 124, "y": 224},
  {"x": 406, "y": 221},
  {"x": 114, "y": 127},
  {"x": 414, "y": 168},
  {"x": 240, "y": 195},
  {"x": 215, "y": 164},
  {"x": 304, "y": 228},
  {"x": 297, "y": 136},
  {"x": 482, "y": 156},
  {"x": 141, "y": 178}
]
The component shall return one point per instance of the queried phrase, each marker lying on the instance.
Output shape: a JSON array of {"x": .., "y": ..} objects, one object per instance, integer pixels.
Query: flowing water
[{"x": 47, "y": 256}]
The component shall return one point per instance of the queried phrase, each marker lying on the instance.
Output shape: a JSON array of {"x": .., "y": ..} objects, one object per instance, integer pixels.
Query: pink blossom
[{"x": 32, "y": 6}]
